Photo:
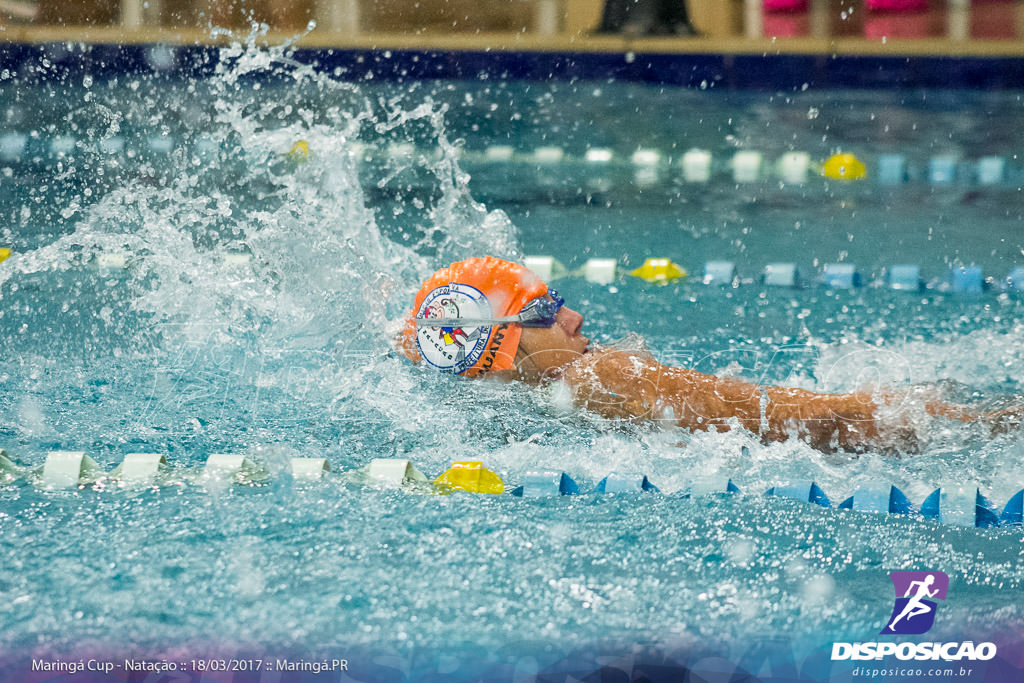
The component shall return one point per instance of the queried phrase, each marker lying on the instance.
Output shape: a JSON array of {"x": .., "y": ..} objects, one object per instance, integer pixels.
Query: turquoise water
[{"x": 190, "y": 350}]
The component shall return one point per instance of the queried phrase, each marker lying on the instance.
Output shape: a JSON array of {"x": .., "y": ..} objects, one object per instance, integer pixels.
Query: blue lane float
[
  {"x": 942, "y": 170},
  {"x": 63, "y": 146},
  {"x": 892, "y": 169},
  {"x": 162, "y": 144},
  {"x": 626, "y": 483},
  {"x": 1015, "y": 280},
  {"x": 719, "y": 273},
  {"x": 991, "y": 170},
  {"x": 967, "y": 279},
  {"x": 960, "y": 507},
  {"x": 878, "y": 500},
  {"x": 781, "y": 275},
  {"x": 905, "y": 278},
  {"x": 841, "y": 276},
  {"x": 546, "y": 484},
  {"x": 1013, "y": 511},
  {"x": 12, "y": 145},
  {"x": 711, "y": 486},
  {"x": 804, "y": 491},
  {"x": 985, "y": 514}
]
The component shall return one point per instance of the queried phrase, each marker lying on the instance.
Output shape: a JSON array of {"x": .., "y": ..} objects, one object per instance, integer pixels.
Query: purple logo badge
[{"x": 916, "y": 592}]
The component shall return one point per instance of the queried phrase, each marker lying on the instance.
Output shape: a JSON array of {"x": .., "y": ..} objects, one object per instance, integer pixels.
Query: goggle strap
[
  {"x": 465, "y": 322},
  {"x": 532, "y": 313}
]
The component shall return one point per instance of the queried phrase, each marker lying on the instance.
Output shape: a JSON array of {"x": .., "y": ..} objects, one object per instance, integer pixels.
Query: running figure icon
[{"x": 915, "y": 607}]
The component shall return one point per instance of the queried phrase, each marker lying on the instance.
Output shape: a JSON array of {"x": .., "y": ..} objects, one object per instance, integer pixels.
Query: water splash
[
  {"x": 231, "y": 241},
  {"x": 259, "y": 288}
]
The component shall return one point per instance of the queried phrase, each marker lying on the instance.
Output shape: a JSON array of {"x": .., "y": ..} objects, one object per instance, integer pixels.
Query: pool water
[{"x": 253, "y": 311}]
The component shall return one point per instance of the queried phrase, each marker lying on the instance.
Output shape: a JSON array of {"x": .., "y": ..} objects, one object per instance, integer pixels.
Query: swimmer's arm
[
  {"x": 634, "y": 385},
  {"x": 825, "y": 421},
  {"x": 696, "y": 401},
  {"x": 644, "y": 388}
]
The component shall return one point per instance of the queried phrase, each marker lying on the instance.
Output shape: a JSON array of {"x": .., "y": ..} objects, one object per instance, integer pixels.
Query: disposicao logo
[{"x": 913, "y": 614}]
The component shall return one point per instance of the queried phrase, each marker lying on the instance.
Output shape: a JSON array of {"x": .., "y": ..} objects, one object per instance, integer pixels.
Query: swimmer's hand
[
  {"x": 998, "y": 421},
  {"x": 1005, "y": 420}
]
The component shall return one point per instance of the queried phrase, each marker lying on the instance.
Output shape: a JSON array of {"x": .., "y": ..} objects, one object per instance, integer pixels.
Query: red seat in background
[
  {"x": 990, "y": 19},
  {"x": 786, "y": 18},
  {"x": 898, "y": 19},
  {"x": 994, "y": 19}
]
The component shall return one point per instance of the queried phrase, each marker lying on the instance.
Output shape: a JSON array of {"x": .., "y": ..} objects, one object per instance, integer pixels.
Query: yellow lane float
[
  {"x": 844, "y": 167},
  {"x": 659, "y": 270},
  {"x": 299, "y": 151},
  {"x": 469, "y": 476}
]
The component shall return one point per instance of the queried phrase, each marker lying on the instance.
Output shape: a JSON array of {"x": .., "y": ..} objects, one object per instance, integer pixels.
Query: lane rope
[{"x": 960, "y": 505}]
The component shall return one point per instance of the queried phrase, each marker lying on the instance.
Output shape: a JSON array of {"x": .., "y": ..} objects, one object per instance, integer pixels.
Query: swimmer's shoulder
[{"x": 609, "y": 363}]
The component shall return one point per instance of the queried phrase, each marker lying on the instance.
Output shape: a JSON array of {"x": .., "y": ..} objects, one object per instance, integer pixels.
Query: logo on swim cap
[{"x": 453, "y": 349}]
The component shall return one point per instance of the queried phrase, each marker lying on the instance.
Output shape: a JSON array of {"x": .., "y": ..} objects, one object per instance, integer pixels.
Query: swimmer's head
[{"x": 480, "y": 305}]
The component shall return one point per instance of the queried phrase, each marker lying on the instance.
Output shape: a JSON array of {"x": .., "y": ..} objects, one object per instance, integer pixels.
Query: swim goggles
[{"x": 540, "y": 312}]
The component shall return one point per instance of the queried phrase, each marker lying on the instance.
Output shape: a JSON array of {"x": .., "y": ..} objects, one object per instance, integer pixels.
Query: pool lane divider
[
  {"x": 959, "y": 505},
  {"x": 748, "y": 166},
  {"x": 661, "y": 270},
  {"x": 649, "y": 164}
]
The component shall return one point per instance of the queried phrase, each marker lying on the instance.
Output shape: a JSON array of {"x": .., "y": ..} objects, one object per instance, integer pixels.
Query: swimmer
[{"x": 489, "y": 317}]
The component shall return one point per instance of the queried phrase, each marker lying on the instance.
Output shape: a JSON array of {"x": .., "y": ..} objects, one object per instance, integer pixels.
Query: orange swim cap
[{"x": 475, "y": 288}]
